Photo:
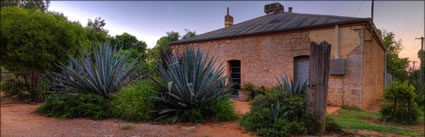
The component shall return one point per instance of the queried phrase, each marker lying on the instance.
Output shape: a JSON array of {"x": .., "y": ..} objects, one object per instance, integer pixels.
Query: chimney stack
[
  {"x": 273, "y": 8},
  {"x": 228, "y": 20},
  {"x": 290, "y": 9}
]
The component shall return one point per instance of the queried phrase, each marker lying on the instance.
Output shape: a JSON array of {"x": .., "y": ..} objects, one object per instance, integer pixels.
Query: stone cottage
[{"x": 261, "y": 49}]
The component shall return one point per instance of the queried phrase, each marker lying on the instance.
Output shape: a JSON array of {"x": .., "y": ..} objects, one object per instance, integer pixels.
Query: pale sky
[{"x": 148, "y": 20}]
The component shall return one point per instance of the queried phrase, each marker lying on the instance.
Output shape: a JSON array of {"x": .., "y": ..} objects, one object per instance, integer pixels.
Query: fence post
[{"x": 318, "y": 81}]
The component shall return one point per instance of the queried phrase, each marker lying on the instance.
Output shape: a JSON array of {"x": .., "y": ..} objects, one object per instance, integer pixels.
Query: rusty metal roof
[{"x": 277, "y": 22}]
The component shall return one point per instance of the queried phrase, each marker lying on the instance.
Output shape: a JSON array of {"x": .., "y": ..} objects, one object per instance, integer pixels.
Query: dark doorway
[
  {"x": 301, "y": 68},
  {"x": 235, "y": 75}
]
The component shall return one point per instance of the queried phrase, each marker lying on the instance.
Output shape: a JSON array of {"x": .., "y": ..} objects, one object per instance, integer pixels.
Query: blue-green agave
[
  {"x": 292, "y": 87},
  {"x": 102, "y": 72},
  {"x": 188, "y": 82}
]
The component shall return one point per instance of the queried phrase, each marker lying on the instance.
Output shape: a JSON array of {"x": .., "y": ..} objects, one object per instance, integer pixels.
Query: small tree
[{"x": 401, "y": 106}]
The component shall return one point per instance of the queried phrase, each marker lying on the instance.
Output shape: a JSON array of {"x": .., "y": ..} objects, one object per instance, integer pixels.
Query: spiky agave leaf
[
  {"x": 103, "y": 72},
  {"x": 189, "y": 83},
  {"x": 292, "y": 87}
]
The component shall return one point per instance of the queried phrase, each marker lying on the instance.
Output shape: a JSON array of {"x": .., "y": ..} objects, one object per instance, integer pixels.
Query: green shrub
[
  {"x": 401, "y": 105},
  {"x": 420, "y": 92},
  {"x": 188, "y": 85},
  {"x": 14, "y": 86},
  {"x": 40, "y": 91},
  {"x": 134, "y": 102},
  {"x": 247, "y": 87},
  {"x": 260, "y": 91},
  {"x": 223, "y": 110},
  {"x": 126, "y": 127},
  {"x": 92, "y": 106},
  {"x": 279, "y": 113},
  {"x": 331, "y": 125}
]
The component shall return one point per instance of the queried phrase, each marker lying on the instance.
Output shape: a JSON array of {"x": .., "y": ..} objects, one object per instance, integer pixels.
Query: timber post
[{"x": 318, "y": 81}]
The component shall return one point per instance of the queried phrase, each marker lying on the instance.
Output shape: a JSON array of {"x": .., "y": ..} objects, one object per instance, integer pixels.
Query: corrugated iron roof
[{"x": 276, "y": 22}]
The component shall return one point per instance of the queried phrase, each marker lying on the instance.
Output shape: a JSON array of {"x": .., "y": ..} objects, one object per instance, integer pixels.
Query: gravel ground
[{"x": 20, "y": 120}]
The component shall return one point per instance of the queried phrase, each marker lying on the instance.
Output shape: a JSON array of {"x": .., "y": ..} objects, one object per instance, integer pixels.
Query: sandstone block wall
[{"x": 265, "y": 57}]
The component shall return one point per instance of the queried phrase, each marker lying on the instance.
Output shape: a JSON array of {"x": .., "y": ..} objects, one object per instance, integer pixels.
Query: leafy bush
[
  {"x": 134, "y": 102},
  {"x": 247, "y": 87},
  {"x": 40, "y": 91},
  {"x": 280, "y": 113},
  {"x": 187, "y": 84},
  {"x": 420, "y": 92},
  {"x": 14, "y": 87},
  {"x": 88, "y": 105},
  {"x": 401, "y": 105},
  {"x": 102, "y": 73},
  {"x": 223, "y": 110},
  {"x": 331, "y": 125}
]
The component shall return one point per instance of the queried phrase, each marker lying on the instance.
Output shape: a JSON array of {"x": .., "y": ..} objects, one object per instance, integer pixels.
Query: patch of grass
[
  {"x": 126, "y": 127},
  {"x": 351, "y": 108},
  {"x": 355, "y": 120}
]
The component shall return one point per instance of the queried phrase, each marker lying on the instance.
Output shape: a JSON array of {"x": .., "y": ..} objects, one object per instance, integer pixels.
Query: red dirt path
[{"x": 20, "y": 120}]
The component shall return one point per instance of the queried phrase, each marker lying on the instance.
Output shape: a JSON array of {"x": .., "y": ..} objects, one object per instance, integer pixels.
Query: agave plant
[
  {"x": 275, "y": 111},
  {"x": 292, "y": 87},
  {"x": 103, "y": 73},
  {"x": 189, "y": 83}
]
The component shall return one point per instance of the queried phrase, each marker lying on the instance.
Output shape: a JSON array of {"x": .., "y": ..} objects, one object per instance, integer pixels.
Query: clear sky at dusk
[{"x": 149, "y": 20}]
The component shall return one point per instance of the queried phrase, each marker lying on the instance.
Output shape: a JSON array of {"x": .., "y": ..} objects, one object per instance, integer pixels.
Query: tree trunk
[{"x": 318, "y": 81}]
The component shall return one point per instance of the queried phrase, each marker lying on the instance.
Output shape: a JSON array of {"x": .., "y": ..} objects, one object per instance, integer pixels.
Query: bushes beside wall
[
  {"x": 401, "y": 105},
  {"x": 279, "y": 113}
]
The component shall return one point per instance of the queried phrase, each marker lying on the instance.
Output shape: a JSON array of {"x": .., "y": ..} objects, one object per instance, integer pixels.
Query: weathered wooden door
[{"x": 301, "y": 68}]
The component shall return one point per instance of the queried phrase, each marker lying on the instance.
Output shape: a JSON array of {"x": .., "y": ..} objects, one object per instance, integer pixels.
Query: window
[{"x": 235, "y": 74}]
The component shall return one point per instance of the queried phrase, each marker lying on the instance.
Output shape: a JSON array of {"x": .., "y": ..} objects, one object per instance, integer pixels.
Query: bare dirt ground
[{"x": 20, "y": 120}]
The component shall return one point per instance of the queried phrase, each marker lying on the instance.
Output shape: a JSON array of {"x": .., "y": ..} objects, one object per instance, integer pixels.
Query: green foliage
[
  {"x": 134, "y": 102},
  {"x": 401, "y": 105},
  {"x": 130, "y": 44},
  {"x": 126, "y": 127},
  {"x": 189, "y": 84},
  {"x": 292, "y": 87},
  {"x": 359, "y": 120},
  {"x": 279, "y": 113},
  {"x": 15, "y": 87},
  {"x": 420, "y": 92},
  {"x": 40, "y": 91},
  {"x": 223, "y": 110},
  {"x": 97, "y": 25},
  {"x": 247, "y": 87},
  {"x": 351, "y": 108},
  {"x": 331, "y": 125},
  {"x": 71, "y": 106},
  {"x": 396, "y": 66},
  {"x": 32, "y": 40},
  {"x": 41, "y": 5},
  {"x": 102, "y": 73},
  {"x": 189, "y": 34}
]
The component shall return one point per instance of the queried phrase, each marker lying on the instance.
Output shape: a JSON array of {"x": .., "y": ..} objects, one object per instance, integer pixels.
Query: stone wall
[
  {"x": 263, "y": 57},
  {"x": 373, "y": 71}
]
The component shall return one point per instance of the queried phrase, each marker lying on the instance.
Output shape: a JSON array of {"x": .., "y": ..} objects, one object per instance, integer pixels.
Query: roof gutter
[{"x": 274, "y": 31}]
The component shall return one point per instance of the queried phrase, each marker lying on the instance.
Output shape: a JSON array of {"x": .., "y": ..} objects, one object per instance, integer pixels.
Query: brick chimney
[{"x": 228, "y": 20}]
